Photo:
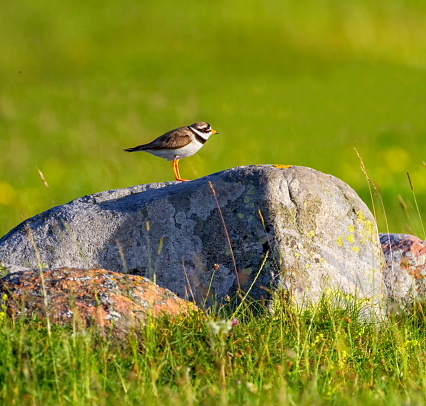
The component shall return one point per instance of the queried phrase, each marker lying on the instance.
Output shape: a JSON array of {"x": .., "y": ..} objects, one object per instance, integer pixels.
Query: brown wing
[{"x": 173, "y": 139}]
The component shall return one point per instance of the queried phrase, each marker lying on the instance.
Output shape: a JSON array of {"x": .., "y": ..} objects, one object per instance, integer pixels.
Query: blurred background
[{"x": 301, "y": 82}]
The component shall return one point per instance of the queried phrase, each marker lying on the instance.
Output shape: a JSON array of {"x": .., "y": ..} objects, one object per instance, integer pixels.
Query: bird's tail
[{"x": 138, "y": 148}]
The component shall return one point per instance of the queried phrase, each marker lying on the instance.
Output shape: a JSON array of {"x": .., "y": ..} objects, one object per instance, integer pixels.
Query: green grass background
[
  {"x": 321, "y": 356},
  {"x": 284, "y": 82}
]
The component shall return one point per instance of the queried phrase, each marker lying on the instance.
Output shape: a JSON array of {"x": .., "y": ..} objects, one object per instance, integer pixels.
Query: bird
[{"x": 179, "y": 143}]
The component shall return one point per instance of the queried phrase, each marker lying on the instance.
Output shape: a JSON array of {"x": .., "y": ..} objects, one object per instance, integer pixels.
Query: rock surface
[
  {"x": 113, "y": 301},
  {"x": 405, "y": 275},
  {"x": 289, "y": 227}
]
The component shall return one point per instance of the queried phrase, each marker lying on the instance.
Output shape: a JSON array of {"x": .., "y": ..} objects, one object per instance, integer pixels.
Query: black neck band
[{"x": 197, "y": 136}]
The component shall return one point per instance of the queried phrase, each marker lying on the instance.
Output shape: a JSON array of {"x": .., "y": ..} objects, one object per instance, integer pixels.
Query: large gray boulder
[{"x": 255, "y": 228}]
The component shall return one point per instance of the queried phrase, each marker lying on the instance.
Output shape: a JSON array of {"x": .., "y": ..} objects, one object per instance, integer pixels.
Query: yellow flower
[{"x": 411, "y": 343}]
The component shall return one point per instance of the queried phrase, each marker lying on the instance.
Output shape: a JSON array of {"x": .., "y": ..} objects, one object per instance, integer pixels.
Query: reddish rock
[
  {"x": 405, "y": 275},
  {"x": 110, "y": 300}
]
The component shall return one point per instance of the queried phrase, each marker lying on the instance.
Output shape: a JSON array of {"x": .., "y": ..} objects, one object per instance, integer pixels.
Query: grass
[
  {"x": 322, "y": 355},
  {"x": 285, "y": 83}
]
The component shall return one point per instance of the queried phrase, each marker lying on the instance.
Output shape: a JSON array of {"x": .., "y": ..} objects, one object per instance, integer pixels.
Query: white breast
[{"x": 180, "y": 153}]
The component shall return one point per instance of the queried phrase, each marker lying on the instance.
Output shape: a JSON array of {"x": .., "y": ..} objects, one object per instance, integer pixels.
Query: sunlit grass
[{"x": 321, "y": 355}]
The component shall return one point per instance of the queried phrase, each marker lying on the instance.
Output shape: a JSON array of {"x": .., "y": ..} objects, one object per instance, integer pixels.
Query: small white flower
[{"x": 221, "y": 328}]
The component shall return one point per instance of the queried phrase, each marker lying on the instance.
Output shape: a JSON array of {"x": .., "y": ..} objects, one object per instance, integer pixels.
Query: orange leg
[{"x": 175, "y": 166}]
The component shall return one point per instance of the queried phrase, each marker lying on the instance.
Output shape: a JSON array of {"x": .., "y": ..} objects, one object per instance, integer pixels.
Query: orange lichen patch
[
  {"x": 98, "y": 314},
  {"x": 416, "y": 274},
  {"x": 282, "y": 166},
  {"x": 95, "y": 296}
]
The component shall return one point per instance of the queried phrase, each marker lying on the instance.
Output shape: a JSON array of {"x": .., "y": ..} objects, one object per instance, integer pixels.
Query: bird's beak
[{"x": 214, "y": 132}]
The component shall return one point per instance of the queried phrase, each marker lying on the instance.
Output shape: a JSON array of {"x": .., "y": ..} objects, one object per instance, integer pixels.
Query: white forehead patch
[{"x": 206, "y": 127}]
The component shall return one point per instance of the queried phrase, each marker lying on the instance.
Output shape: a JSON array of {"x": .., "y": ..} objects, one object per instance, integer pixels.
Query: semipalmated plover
[{"x": 179, "y": 143}]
